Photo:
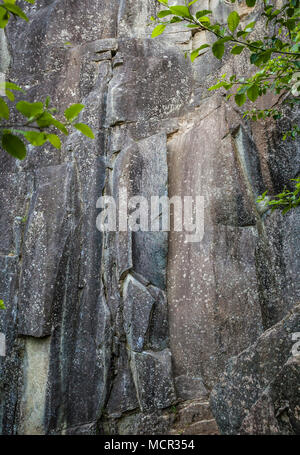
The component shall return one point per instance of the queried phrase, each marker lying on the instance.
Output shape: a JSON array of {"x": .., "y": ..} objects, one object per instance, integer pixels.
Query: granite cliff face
[{"x": 129, "y": 333}]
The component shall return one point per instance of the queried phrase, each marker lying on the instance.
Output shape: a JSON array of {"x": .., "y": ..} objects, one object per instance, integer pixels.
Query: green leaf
[
  {"x": 254, "y": 58},
  {"x": 240, "y": 98},
  {"x": 4, "y": 110},
  {"x": 2, "y": 306},
  {"x": 12, "y": 2},
  {"x": 84, "y": 129},
  {"x": 217, "y": 86},
  {"x": 11, "y": 86},
  {"x": 249, "y": 27},
  {"x": 16, "y": 10},
  {"x": 10, "y": 95},
  {"x": 159, "y": 29},
  {"x": 164, "y": 13},
  {"x": 203, "y": 12},
  {"x": 204, "y": 19},
  {"x": 243, "y": 89},
  {"x": 233, "y": 21},
  {"x": 192, "y": 2},
  {"x": 164, "y": 2},
  {"x": 218, "y": 49},
  {"x": 253, "y": 93},
  {"x": 14, "y": 146},
  {"x": 4, "y": 16},
  {"x": 175, "y": 19},
  {"x": 73, "y": 111},
  {"x": 236, "y": 50},
  {"x": 250, "y": 3},
  {"x": 35, "y": 138},
  {"x": 195, "y": 53},
  {"x": 181, "y": 10},
  {"x": 45, "y": 120},
  {"x": 30, "y": 110},
  {"x": 54, "y": 140},
  {"x": 60, "y": 126}
]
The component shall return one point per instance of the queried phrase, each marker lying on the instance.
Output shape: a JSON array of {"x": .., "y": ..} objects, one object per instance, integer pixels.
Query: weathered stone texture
[
  {"x": 259, "y": 391},
  {"x": 130, "y": 331}
]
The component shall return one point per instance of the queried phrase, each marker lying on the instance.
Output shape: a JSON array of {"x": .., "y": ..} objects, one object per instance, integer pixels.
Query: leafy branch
[
  {"x": 276, "y": 57},
  {"x": 40, "y": 125},
  {"x": 285, "y": 201}
]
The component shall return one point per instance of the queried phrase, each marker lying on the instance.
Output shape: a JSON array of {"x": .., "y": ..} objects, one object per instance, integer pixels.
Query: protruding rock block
[
  {"x": 138, "y": 303},
  {"x": 248, "y": 375},
  {"x": 33, "y": 403},
  {"x": 277, "y": 410},
  {"x": 123, "y": 394},
  {"x": 50, "y": 222},
  {"x": 152, "y": 373}
]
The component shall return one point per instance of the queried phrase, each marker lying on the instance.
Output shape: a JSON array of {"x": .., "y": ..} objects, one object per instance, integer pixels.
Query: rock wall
[{"x": 128, "y": 333}]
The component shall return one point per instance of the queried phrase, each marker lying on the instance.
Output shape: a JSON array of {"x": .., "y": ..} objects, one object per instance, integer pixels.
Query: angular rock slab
[
  {"x": 138, "y": 304},
  {"x": 251, "y": 372},
  {"x": 212, "y": 284},
  {"x": 79, "y": 363},
  {"x": 145, "y": 316},
  {"x": 140, "y": 169},
  {"x": 149, "y": 71},
  {"x": 123, "y": 394},
  {"x": 277, "y": 411},
  {"x": 36, "y": 369},
  {"x": 152, "y": 374},
  {"x": 278, "y": 265},
  {"x": 11, "y": 363},
  {"x": 159, "y": 326},
  {"x": 49, "y": 224}
]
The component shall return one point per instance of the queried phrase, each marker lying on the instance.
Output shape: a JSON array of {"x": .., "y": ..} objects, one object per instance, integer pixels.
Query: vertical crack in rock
[{"x": 272, "y": 272}]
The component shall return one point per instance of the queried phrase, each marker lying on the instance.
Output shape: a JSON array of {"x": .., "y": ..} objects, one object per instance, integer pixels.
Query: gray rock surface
[
  {"x": 277, "y": 410},
  {"x": 124, "y": 328},
  {"x": 259, "y": 390}
]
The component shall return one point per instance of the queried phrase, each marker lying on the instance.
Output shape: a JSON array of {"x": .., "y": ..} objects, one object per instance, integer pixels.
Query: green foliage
[
  {"x": 73, "y": 111},
  {"x": 84, "y": 129},
  {"x": 30, "y": 110},
  {"x": 158, "y": 30},
  {"x": 4, "y": 110},
  {"x": 13, "y": 145},
  {"x": 40, "y": 125},
  {"x": 275, "y": 57},
  {"x": 2, "y": 306},
  {"x": 9, "y": 8},
  {"x": 284, "y": 201},
  {"x": 218, "y": 49},
  {"x": 233, "y": 21}
]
